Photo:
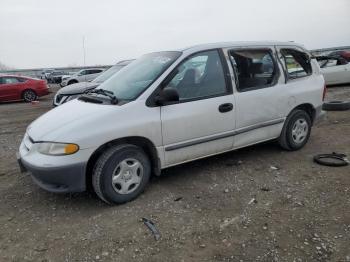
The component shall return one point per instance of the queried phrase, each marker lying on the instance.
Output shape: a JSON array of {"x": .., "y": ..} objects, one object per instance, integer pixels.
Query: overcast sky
[{"x": 49, "y": 33}]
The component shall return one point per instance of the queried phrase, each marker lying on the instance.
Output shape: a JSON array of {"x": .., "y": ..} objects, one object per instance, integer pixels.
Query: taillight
[{"x": 324, "y": 92}]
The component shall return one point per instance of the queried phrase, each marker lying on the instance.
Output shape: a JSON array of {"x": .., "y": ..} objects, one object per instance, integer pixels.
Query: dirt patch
[{"x": 254, "y": 204}]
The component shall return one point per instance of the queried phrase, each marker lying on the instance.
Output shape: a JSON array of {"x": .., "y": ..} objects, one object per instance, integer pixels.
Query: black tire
[
  {"x": 106, "y": 167},
  {"x": 336, "y": 105},
  {"x": 29, "y": 95},
  {"x": 288, "y": 139},
  {"x": 333, "y": 159},
  {"x": 72, "y": 82}
]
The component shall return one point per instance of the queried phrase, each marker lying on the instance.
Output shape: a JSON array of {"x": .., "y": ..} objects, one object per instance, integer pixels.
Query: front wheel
[
  {"x": 296, "y": 130},
  {"x": 121, "y": 174}
]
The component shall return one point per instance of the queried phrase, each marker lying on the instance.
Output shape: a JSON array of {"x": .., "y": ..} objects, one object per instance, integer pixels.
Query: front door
[{"x": 202, "y": 122}]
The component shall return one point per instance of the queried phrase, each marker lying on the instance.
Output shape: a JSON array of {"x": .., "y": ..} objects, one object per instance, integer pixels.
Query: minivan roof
[{"x": 239, "y": 44}]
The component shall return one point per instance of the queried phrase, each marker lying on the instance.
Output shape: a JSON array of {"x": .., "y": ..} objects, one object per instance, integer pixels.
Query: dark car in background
[
  {"x": 72, "y": 91},
  {"x": 45, "y": 73},
  {"x": 14, "y": 88},
  {"x": 55, "y": 77},
  {"x": 343, "y": 54}
]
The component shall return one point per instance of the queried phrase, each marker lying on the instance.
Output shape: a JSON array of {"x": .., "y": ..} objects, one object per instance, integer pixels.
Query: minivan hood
[
  {"x": 71, "y": 114},
  {"x": 77, "y": 88}
]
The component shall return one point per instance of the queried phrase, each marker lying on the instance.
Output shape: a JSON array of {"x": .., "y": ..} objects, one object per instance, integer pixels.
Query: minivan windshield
[
  {"x": 135, "y": 78},
  {"x": 107, "y": 74}
]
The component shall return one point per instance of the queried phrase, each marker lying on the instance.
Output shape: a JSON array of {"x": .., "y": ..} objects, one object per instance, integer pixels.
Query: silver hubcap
[
  {"x": 300, "y": 130},
  {"x": 127, "y": 176},
  {"x": 29, "y": 96}
]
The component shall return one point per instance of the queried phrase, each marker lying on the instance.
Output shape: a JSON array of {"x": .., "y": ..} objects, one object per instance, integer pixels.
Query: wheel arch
[
  {"x": 72, "y": 81},
  {"x": 308, "y": 108},
  {"x": 139, "y": 141}
]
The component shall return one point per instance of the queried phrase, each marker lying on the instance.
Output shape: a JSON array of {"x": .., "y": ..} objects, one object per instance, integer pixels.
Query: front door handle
[{"x": 225, "y": 107}]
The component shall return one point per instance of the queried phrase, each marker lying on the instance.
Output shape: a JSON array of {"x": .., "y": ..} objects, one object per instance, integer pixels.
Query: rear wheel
[
  {"x": 121, "y": 174},
  {"x": 29, "y": 95},
  {"x": 296, "y": 130}
]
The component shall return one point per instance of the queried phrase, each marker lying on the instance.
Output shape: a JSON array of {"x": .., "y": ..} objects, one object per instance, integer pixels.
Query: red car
[{"x": 14, "y": 88}]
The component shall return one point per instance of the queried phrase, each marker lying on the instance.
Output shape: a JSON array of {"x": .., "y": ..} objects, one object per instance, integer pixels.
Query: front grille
[{"x": 59, "y": 98}]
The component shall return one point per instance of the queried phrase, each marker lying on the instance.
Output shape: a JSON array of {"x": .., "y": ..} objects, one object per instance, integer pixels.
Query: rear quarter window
[{"x": 297, "y": 64}]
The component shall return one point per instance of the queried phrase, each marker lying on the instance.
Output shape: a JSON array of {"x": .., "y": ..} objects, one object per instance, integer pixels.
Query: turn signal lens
[
  {"x": 57, "y": 149},
  {"x": 70, "y": 149}
]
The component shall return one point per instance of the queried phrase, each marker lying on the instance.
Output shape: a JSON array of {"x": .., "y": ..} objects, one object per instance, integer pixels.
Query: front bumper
[
  {"x": 57, "y": 179},
  {"x": 58, "y": 174}
]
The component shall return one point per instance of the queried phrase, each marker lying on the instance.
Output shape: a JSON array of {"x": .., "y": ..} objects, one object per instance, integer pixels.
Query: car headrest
[{"x": 256, "y": 68}]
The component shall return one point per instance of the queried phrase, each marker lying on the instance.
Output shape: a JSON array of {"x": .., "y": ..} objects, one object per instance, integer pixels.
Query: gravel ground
[{"x": 255, "y": 204}]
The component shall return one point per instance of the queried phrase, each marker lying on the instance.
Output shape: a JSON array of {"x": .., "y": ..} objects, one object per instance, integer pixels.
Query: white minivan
[{"x": 171, "y": 107}]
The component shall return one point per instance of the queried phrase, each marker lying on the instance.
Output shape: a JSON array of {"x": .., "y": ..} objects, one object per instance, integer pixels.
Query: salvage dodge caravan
[{"x": 167, "y": 108}]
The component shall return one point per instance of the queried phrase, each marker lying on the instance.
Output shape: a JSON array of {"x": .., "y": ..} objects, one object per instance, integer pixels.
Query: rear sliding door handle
[{"x": 225, "y": 107}]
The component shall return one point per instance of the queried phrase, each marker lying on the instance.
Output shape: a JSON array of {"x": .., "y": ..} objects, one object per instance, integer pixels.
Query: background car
[
  {"x": 55, "y": 77},
  {"x": 84, "y": 75},
  {"x": 14, "y": 88},
  {"x": 45, "y": 73},
  {"x": 335, "y": 69},
  {"x": 344, "y": 54},
  {"x": 70, "y": 92}
]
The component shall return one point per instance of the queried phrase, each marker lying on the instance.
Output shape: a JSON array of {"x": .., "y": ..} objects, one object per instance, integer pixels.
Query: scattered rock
[
  {"x": 253, "y": 200},
  {"x": 266, "y": 189},
  {"x": 228, "y": 221},
  {"x": 40, "y": 249}
]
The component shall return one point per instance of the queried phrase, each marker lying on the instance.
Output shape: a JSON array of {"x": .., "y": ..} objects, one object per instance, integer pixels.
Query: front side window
[
  {"x": 82, "y": 73},
  {"x": 253, "y": 68},
  {"x": 133, "y": 79},
  {"x": 297, "y": 63},
  {"x": 199, "y": 76}
]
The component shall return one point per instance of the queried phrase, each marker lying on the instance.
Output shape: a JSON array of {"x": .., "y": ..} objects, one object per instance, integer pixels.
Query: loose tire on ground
[
  {"x": 29, "y": 95},
  {"x": 333, "y": 159},
  {"x": 296, "y": 130},
  {"x": 336, "y": 105},
  {"x": 121, "y": 174}
]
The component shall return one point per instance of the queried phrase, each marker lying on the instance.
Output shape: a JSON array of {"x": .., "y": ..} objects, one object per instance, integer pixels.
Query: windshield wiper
[{"x": 104, "y": 92}]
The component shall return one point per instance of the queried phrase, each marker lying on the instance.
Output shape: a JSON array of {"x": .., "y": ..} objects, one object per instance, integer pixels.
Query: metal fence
[{"x": 36, "y": 72}]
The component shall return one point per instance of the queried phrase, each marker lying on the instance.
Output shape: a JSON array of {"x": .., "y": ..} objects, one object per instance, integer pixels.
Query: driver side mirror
[{"x": 167, "y": 96}]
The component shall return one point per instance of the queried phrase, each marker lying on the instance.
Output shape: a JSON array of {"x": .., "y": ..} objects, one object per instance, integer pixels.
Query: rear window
[{"x": 10, "y": 80}]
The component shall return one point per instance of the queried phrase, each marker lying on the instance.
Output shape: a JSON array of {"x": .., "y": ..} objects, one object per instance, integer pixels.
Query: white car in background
[
  {"x": 335, "y": 70},
  {"x": 85, "y": 75}
]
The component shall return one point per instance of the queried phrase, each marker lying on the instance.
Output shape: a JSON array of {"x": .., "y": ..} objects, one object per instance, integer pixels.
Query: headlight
[{"x": 57, "y": 149}]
